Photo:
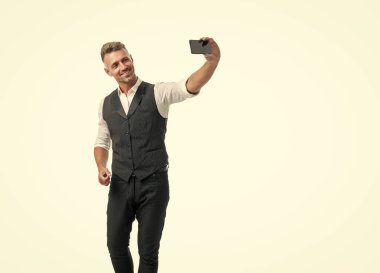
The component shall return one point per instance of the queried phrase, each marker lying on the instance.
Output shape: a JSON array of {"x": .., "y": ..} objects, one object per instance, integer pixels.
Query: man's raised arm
[{"x": 200, "y": 77}]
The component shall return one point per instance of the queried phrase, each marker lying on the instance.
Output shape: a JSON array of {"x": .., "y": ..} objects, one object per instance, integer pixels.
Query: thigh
[
  {"x": 120, "y": 214},
  {"x": 151, "y": 210}
]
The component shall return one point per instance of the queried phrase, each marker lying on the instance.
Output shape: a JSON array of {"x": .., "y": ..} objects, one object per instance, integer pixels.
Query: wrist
[
  {"x": 212, "y": 62},
  {"x": 101, "y": 167}
]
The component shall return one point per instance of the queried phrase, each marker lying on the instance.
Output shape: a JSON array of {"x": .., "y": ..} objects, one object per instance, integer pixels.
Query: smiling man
[{"x": 133, "y": 119}]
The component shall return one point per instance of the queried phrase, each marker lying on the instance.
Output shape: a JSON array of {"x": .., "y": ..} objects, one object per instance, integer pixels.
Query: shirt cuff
[{"x": 104, "y": 146}]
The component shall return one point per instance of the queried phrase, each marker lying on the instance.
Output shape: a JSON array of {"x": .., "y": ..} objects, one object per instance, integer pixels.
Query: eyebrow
[
  {"x": 120, "y": 60},
  {"x": 114, "y": 63}
]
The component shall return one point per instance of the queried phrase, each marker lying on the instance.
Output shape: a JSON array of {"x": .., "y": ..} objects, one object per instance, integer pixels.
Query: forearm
[
  {"x": 101, "y": 157},
  {"x": 200, "y": 77}
]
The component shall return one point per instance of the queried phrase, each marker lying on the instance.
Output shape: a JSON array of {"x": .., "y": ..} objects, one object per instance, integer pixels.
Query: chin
[
  {"x": 129, "y": 79},
  {"x": 125, "y": 80}
]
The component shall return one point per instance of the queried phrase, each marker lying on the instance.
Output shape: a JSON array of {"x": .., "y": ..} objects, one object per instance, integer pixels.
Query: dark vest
[{"x": 138, "y": 137}]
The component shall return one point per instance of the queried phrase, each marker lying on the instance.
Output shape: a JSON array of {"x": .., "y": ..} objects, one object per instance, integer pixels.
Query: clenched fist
[{"x": 104, "y": 176}]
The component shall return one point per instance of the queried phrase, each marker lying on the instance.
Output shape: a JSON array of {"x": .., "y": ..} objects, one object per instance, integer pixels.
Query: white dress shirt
[{"x": 165, "y": 94}]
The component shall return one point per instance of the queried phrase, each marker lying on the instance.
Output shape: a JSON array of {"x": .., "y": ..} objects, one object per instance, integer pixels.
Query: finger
[
  {"x": 104, "y": 183},
  {"x": 208, "y": 40},
  {"x": 204, "y": 41},
  {"x": 103, "y": 177}
]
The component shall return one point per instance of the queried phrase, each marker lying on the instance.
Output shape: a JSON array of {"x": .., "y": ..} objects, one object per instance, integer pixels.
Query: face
[{"x": 119, "y": 64}]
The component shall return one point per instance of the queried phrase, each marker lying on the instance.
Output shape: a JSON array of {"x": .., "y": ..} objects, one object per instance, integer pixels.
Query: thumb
[{"x": 106, "y": 174}]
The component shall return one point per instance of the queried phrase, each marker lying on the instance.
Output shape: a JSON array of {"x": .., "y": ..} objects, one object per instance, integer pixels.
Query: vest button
[{"x": 127, "y": 133}]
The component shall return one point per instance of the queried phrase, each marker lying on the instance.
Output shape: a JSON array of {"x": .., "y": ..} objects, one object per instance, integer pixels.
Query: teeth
[{"x": 125, "y": 73}]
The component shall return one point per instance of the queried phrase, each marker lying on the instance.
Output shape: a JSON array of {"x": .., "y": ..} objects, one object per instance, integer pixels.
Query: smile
[{"x": 125, "y": 73}]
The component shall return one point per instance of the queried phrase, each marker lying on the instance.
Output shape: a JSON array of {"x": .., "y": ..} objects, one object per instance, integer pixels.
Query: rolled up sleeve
[
  {"x": 167, "y": 93},
  {"x": 103, "y": 137}
]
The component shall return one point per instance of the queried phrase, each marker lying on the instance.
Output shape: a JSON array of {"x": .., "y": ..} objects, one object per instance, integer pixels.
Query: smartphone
[{"x": 199, "y": 47}]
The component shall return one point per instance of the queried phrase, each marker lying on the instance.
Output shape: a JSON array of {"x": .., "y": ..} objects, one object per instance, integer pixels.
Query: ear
[{"x": 107, "y": 71}]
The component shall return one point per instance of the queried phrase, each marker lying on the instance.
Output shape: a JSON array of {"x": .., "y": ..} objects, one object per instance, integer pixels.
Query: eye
[{"x": 126, "y": 60}]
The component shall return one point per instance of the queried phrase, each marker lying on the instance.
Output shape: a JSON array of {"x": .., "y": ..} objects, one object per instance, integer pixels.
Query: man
[{"x": 133, "y": 117}]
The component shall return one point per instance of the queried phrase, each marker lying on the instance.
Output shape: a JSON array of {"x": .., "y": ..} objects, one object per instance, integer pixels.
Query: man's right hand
[{"x": 104, "y": 176}]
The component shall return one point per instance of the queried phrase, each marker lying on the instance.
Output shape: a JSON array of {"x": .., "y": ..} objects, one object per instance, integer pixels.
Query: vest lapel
[
  {"x": 115, "y": 100},
  {"x": 136, "y": 99}
]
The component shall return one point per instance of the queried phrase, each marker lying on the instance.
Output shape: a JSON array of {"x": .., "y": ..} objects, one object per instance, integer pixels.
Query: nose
[{"x": 122, "y": 66}]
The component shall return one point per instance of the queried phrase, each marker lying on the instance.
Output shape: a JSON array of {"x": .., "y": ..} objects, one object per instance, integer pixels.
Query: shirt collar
[{"x": 132, "y": 90}]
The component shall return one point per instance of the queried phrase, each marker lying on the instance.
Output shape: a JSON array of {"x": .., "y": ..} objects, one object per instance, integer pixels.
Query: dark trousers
[{"x": 146, "y": 201}]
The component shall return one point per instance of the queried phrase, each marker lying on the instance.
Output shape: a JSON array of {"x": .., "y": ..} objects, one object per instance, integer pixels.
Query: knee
[
  {"x": 149, "y": 259},
  {"x": 117, "y": 252},
  {"x": 117, "y": 248}
]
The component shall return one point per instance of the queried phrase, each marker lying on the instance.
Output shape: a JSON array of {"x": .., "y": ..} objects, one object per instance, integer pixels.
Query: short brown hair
[{"x": 110, "y": 47}]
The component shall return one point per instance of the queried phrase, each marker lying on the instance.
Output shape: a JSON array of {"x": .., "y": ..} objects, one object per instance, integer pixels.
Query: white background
[{"x": 274, "y": 167}]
